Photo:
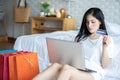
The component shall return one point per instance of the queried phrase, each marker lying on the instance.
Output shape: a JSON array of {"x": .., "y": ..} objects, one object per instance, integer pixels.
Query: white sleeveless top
[{"x": 93, "y": 53}]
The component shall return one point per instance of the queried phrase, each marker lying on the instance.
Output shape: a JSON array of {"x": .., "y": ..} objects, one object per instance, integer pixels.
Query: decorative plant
[{"x": 45, "y": 5}]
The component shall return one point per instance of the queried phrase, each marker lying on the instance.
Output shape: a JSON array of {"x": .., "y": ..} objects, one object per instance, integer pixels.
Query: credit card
[{"x": 101, "y": 32}]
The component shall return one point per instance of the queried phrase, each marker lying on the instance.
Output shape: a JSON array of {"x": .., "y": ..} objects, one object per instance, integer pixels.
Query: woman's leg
[
  {"x": 49, "y": 73},
  {"x": 71, "y": 73}
]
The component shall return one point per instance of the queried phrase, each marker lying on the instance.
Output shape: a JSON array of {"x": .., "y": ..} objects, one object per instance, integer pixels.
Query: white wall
[
  {"x": 9, "y": 16},
  {"x": 110, "y": 9}
]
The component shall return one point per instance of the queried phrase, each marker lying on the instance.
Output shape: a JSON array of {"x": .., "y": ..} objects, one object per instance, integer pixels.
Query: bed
[{"x": 37, "y": 43}]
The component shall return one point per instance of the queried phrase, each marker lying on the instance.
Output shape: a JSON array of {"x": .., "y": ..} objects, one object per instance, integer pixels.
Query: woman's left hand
[{"x": 106, "y": 41}]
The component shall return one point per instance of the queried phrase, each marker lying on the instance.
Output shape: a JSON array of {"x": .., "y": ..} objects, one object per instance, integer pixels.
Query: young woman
[{"x": 98, "y": 51}]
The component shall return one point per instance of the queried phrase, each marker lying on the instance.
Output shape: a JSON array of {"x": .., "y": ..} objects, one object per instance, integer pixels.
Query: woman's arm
[{"x": 105, "y": 60}]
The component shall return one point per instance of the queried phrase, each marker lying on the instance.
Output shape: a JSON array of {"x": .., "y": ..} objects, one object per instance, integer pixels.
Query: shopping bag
[
  {"x": 22, "y": 13},
  {"x": 1, "y": 66},
  {"x": 23, "y": 66},
  {"x": 4, "y": 69},
  {"x": 7, "y": 51}
]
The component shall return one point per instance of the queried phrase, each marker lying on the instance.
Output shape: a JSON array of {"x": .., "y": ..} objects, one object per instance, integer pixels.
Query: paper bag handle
[
  {"x": 31, "y": 64},
  {"x": 25, "y": 2}
]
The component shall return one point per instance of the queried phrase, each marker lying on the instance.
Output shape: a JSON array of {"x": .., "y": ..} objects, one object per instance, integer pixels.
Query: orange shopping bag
[{"x": 23, "y": 66}]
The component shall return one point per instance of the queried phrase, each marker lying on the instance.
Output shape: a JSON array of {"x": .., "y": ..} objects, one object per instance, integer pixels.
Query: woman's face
[{"x": 92, "y": 24}]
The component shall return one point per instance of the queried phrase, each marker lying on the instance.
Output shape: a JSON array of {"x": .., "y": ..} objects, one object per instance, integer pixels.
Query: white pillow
[
  {"x": 114, "y": 68},
  {"x": 113, "y": 28}
]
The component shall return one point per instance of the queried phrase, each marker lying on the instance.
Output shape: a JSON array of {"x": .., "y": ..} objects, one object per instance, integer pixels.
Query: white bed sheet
[{"x": 37, "y": 43}]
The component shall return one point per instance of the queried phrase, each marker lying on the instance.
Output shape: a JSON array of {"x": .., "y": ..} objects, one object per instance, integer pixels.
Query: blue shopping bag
[{"x": 7, "y": 51}]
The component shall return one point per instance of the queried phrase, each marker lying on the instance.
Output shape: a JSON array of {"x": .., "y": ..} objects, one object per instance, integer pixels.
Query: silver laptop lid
[{"x": 65, "y": 52}]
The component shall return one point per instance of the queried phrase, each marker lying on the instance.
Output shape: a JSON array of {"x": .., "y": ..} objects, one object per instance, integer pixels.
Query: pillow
[
  {"x": 114, "y": 68},
  {"x": 113, "y": 28}
]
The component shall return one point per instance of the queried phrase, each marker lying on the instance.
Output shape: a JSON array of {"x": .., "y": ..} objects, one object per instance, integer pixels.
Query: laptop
[{"x": 66, "y": 52}]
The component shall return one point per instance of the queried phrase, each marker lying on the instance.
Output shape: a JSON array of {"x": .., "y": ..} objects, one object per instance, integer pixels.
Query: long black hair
[{"x": 83, "y": 32}]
